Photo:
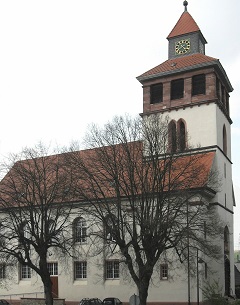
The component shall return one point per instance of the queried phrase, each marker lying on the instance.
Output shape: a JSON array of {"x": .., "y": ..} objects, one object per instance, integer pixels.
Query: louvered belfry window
[
  {"x": 156, "y": 93},
  {"x": 177, "y": 88},
  {"x": 199, "y": 84}
]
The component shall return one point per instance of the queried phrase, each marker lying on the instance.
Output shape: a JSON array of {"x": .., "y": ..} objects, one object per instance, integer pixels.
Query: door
[
  {"x": 53, "y": 271},
  {"x": 54, "y": 280}
]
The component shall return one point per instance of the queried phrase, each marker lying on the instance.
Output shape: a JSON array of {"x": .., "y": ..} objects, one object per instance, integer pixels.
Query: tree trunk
[
  {"x": 143, "y": 291},
  {"x": 46, "y": 279},
  {"x": 48, "y": 290}
]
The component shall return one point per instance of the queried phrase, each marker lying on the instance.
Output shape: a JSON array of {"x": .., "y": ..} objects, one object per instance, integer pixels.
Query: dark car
[
  {"x": 92, "y": 301},
  {"x": 4, "y": 302},
  {"x": 111, "y": 301}
]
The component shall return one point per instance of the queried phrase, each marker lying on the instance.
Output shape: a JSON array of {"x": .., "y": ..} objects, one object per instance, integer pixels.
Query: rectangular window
[
  {"x": 223, "y": 95},
  {"x": 25, "y": 272},
  {"x": 156, "y": 93},
  {"x": 2, "y": 271},
  {"x": 227, "y": 102},
  {"x": 199, "y": 84},
  {"x": 52, "y": 268},
  {"x": 112, "y": 269},
  {"x": 80, "y": 270},
  {"x": 218, "y": 88},
  {"x": 164, "y": 272},
  {"x": 205, "y": 229},
  {"x": 205, "y": 270},
  {"x": 80, "y": 230},
  {"x": 177, "y": 88}
]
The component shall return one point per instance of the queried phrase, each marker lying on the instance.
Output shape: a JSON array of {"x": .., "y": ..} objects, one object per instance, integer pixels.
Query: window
[
  {"x": 80, "y": 270},
  {"x": 223, "y": 95},
  {"x": 112, "y": 269},
  {"x": 205, "y": 229},
  {"x": 24, "y": 233},
  {"x": 25, "y": 272},
  {"x": 111, "y": 222},
  {"x": 156, "y": 92},
  {"x": 80, "y": 230},
  {"x": 52, "y": 268},
  {"x": 177, "y": 87},
  {"x": 2, "y": 271},
  {"x": 164, "y": 272},
  {"x": 172, "y": 139},
  {"x": 227, "y": 103},
  {"x": 218, "y": 88},
  {"x": 226, "y": 241},
  {"x": 182, "y": 136},
  {"x": 224, "y": 140},
  {"x": 205, "y": 270},
  {"x": 199, "y": 84}
]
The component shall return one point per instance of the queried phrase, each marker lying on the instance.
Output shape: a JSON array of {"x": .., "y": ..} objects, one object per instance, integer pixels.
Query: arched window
[
  {"x": 80, "y": 230},
  {"x": 110, "y": 231},
  {"x": 25, "y": 231},
  {"x": 182, "y": 135},
  {"x": 226, "y": 241},
  {"x": 224, "y": 140},
  {"x": 227, "y": 103},
  {"x": 172, "y": 136},
  {"x": 227, "y": 261}
]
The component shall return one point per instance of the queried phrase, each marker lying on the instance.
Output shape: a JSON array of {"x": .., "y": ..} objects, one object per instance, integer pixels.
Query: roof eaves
[
  {"x": 193, "y": 32},
  {"x": 191, "y": 68},
  {"x": 176, "y": 71}
]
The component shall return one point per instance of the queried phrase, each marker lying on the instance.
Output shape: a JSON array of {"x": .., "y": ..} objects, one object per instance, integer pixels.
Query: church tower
[{"x": 192, "y": 89}]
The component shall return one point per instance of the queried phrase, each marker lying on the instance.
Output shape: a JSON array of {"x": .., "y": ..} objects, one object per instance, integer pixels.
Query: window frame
[
  {"x": 164, "y": 272},
  {"x": 82, "y": 270},
  {"x": 172, "y": 136},
  {"x": 2, "y": 271},
  {"x": 109, "y": 228},
  {"x": 156, "y": 93},
  {"x": 25, "y": 272},
  {"x": 177, "y": 89},
  {"x": 112, "y": 270},
  {"x": 52, "y": 268},
  {"x": 80, "y": 230},
  {"x": 182, "y": 135},
  {"x": 199, "y": 84},
  {"x": 224, "y": 137}
]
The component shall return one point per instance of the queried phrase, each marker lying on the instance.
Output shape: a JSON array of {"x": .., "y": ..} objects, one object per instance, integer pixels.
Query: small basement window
[
  {"x": 177, "y": 88},
  {"x": 156, "y": 93},
  {"x": 199, "y": 84}
]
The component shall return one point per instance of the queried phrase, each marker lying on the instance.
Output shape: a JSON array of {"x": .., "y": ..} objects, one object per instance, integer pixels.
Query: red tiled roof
[
  {"x": 186, "y": 24},
  {"x": 185, "y": 172},
  {"x": 179, "y": 63}
]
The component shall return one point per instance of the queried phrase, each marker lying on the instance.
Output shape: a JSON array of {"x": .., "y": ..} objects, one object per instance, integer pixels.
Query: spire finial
[{"x": 185, "y": 3}]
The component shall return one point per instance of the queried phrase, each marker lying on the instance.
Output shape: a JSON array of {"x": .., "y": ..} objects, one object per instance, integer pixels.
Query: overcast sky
[{"x": 66, "y": 64}]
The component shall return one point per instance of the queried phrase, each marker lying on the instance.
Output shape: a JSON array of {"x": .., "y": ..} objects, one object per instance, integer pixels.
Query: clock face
[{"x": 182, "y": 46}]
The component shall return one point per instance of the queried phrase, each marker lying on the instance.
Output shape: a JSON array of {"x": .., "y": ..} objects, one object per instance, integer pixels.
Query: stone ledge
[{"x": 40, "y": 301}]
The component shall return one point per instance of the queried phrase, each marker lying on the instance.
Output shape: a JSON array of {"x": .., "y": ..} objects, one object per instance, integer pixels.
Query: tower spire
[{"x": 185, "y": 3}]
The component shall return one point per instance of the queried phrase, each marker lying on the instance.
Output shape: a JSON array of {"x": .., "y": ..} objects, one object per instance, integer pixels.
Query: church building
[{"x": 192, "y": 90}]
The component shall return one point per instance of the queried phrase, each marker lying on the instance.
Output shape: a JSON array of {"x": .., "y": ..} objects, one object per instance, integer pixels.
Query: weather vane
[{"x": 185, "y": 3}]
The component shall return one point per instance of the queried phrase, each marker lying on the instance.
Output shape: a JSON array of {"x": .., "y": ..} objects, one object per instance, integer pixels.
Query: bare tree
[
  {"x": 34, "y": 213},
  {"x": 146, "y": 196}
]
